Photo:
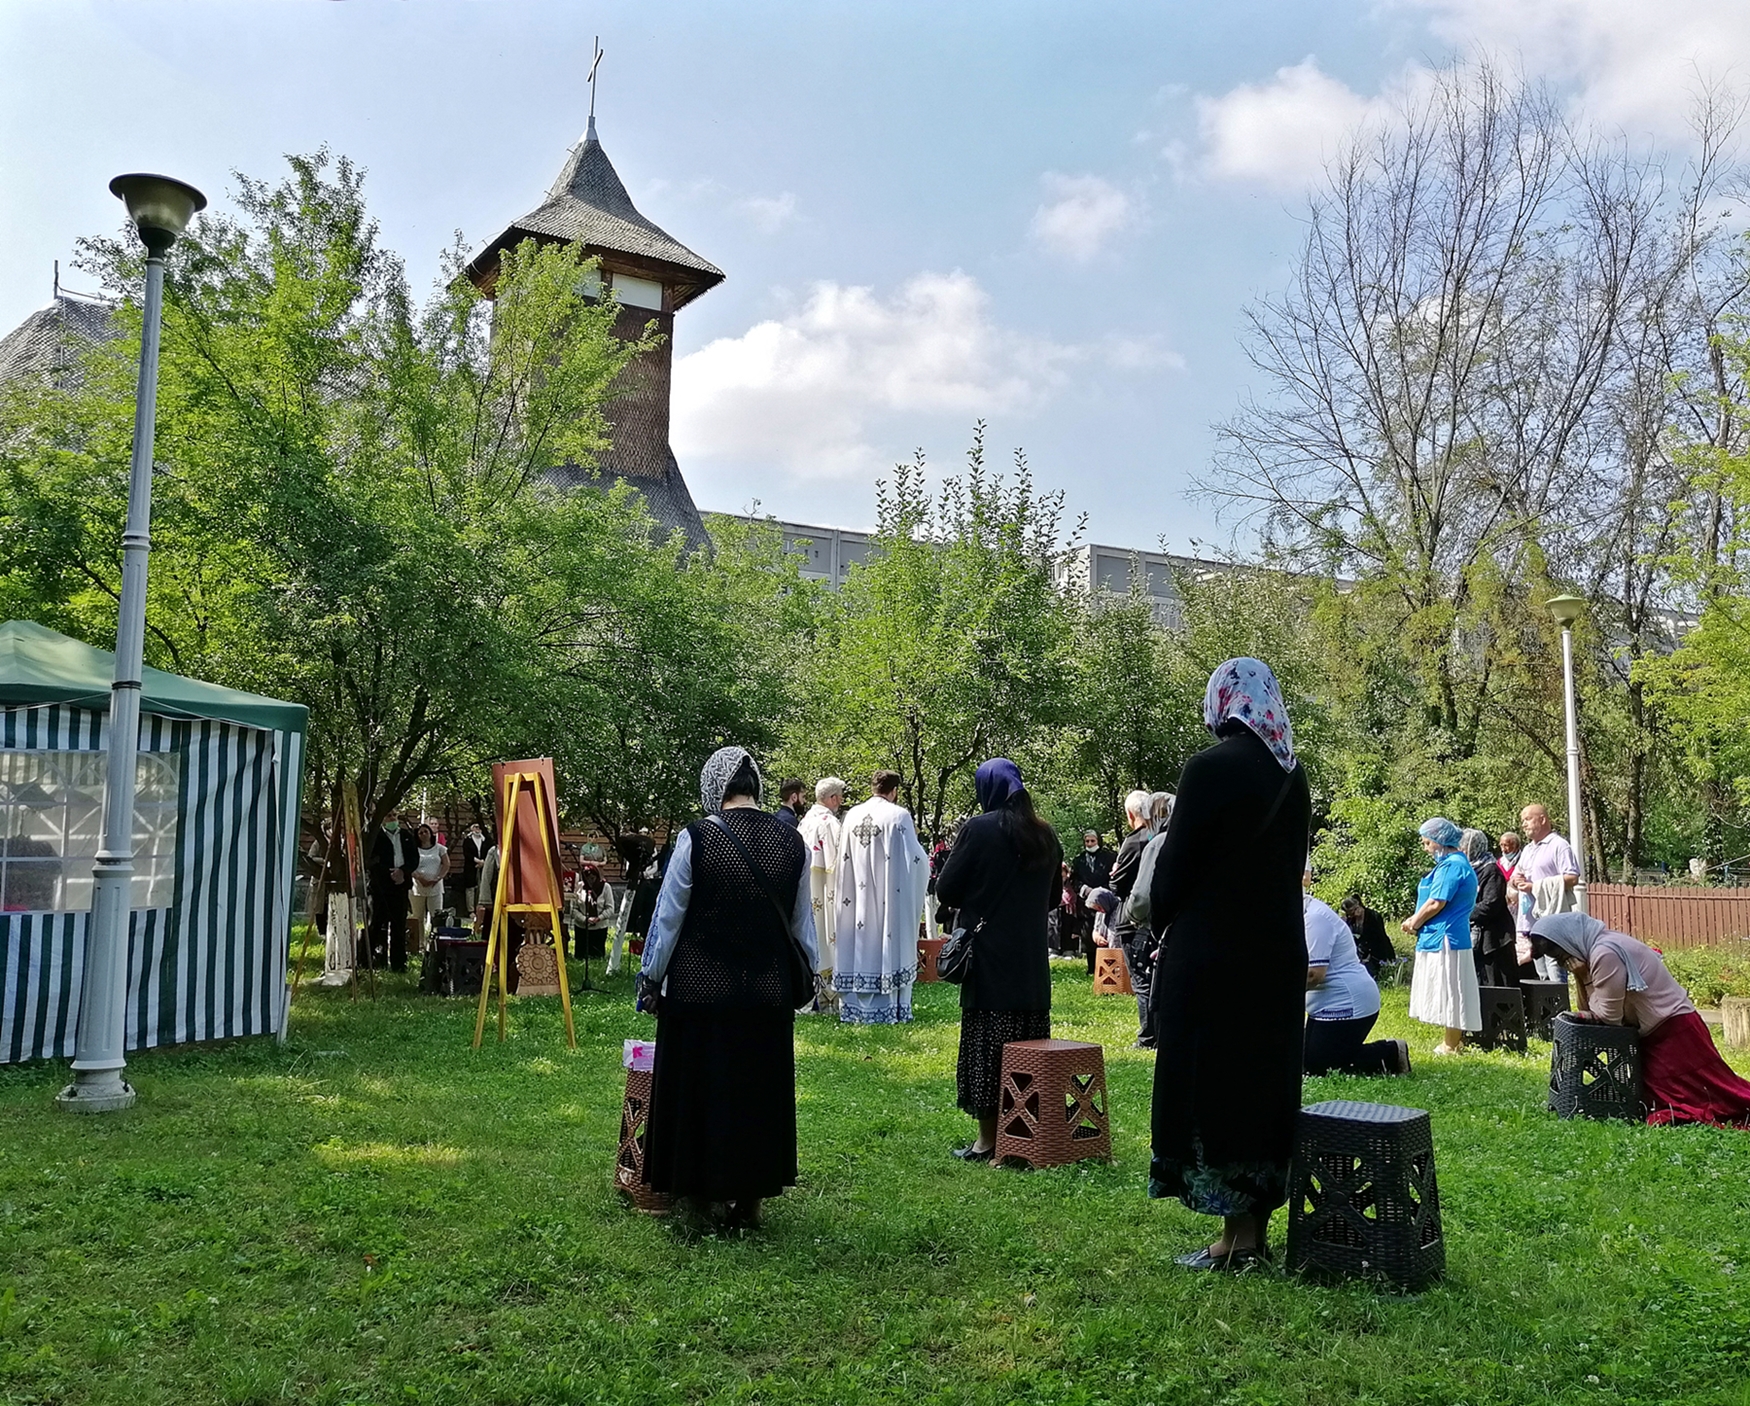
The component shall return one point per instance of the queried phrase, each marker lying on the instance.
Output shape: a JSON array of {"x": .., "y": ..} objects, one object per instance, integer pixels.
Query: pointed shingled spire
[{"x": 588, "y": 204}]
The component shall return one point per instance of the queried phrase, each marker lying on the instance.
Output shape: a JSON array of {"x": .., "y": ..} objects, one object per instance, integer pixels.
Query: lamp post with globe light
[
  {"x": 160, "y": 208},
  {"x": 1566, "y": 610}
]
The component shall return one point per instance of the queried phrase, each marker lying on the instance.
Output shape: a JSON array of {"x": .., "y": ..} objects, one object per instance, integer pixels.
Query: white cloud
[
  {"x": 769, "y": 213},
  {"x": 1280, "y": 133},
  {"x": 1633, "y": 63},
  {"x": 1080, "y": 215},
  {"x": 836, "y": 388}
]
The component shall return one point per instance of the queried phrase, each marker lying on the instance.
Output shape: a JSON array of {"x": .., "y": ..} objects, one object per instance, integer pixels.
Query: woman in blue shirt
[{"x": 1443, "y": 990}]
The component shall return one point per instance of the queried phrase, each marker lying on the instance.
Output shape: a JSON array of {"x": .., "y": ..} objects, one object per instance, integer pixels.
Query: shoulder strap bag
[{"x": 801, "y": 965}]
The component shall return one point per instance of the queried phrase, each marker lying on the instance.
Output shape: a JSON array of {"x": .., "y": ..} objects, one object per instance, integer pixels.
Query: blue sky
[{"x": 1050, "y": 216}]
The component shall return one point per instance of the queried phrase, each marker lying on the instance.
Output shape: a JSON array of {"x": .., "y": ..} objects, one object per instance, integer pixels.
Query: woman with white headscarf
[
  {"x": 1229, "y": 986},
  {"x": 719, "y": 973},
  {"x": 1443, "y": 988},
  {"x": 1625, "y": 982}
]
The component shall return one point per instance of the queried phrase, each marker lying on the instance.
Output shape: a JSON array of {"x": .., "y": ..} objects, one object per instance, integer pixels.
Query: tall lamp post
[
  {"x": 160, "y": 209},
  {"x": 1568, "y": 609}
]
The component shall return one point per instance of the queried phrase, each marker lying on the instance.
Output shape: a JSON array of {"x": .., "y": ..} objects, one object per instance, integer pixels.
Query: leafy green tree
[
  {"x": 352, "y": 504},
  {"x": 950, "y": 644}
]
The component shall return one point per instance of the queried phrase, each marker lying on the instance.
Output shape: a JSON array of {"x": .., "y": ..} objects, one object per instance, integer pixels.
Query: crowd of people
[{"x": 1245, "y": 980}]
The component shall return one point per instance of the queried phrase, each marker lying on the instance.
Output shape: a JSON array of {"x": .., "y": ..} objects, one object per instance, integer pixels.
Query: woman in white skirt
[{"x": 1443, "y": 991}]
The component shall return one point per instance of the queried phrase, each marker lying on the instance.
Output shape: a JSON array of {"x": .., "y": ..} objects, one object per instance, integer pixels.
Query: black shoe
[{"x": 972, "y": 1154}]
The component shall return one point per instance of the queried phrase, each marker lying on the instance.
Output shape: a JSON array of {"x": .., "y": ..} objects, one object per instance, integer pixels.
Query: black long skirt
[
  {"x": 722, "y": 1121},
  {"x": 978, "y": 1072}
]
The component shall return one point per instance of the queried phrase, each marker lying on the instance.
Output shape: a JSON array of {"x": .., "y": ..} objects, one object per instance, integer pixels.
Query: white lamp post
[
  {"x": 1568, "y": 609},
  {"x": 160, "y": 209}
]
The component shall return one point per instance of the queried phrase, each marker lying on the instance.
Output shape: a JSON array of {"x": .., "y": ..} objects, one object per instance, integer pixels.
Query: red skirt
[{"x": 1685, "y": 1079}]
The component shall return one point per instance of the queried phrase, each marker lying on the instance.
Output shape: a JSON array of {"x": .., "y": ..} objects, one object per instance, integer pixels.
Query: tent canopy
[{"x": 40, "y": 665}]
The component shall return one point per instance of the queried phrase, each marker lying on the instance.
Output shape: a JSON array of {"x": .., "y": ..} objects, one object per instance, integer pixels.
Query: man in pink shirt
[{"x": 1545, "y": 855}]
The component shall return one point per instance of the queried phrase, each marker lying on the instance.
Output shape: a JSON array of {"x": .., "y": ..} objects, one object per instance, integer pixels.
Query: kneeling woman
[
  {"x": 1624, "y": 982},
  {"x": 718, "y": 970},
  {"x": 1342, "y": 1002}
]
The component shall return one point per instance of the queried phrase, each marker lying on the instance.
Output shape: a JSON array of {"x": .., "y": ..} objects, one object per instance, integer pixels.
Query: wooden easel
[{"x": 498, "y": 942}]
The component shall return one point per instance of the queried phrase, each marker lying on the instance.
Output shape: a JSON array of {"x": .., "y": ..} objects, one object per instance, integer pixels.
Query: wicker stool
[
  {"x": 629, "y": 1164},
  {"x": 1503, "y": 1019},
  {"x": 1595, "y": 1070},
  {"x": 1362, "y": 1198},
  {"x": 1111, "y": 974},
  {"x": 1544, "y": 1001},
  {"x": 1052, "y": 1106},
  {"x": 929, "y": 951}
]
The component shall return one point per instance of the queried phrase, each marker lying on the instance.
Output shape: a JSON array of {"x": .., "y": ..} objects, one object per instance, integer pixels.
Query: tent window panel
[{"x": 51, "y": 828}]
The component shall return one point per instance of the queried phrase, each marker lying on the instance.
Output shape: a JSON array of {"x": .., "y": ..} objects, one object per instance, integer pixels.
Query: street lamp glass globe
[
  {"x": 1566, "y": 609},
  {"x": 159, "y": 203}
]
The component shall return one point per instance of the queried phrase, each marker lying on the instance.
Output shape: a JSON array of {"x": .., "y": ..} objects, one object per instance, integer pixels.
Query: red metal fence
[{"x": 1672, "y": 917}]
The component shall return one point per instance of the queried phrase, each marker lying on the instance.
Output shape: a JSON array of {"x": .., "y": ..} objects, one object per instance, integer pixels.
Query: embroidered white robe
[
  {"x": 822, "y": 830},
  {"x": 883, "y": 874}
]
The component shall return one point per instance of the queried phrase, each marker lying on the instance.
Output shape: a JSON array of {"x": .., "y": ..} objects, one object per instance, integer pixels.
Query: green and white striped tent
[{"x": 215, "y": 839}]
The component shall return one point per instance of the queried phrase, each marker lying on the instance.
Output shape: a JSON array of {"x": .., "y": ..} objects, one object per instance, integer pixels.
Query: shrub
[{"x": 1712, "y": 973}]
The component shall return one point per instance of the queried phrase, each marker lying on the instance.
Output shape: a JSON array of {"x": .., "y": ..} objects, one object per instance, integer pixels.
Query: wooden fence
[{"x": 1670, "y": 917}]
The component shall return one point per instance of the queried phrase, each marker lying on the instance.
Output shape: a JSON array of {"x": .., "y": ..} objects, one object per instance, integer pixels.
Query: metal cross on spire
[{"x": 595, "y": 63}]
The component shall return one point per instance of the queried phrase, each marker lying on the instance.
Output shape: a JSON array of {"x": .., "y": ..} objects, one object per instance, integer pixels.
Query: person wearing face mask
[
  {"x": 1092, "y": 869},
  {"x": 389, "y": 874}
]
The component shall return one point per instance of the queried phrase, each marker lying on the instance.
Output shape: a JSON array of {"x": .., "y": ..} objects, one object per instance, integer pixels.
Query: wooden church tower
[{"x": 653, "y": 276}]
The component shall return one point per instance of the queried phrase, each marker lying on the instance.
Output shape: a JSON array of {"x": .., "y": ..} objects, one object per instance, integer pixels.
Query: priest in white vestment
[
  {"x": 822, "y": 830},
  {"x": 883, "y": 874}
]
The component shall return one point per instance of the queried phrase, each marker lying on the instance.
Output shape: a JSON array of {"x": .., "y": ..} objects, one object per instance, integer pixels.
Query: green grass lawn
[{"x": 376, "y": 1213}]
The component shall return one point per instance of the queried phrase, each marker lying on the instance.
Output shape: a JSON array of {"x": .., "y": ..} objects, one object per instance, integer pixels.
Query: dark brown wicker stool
[
  {"x": 929, "y": 952},
  {"x": 1362, "y": 1199},
  {"x": 1503, "y": 1019},
  {"x": 1544, "y": 1001},
  {"x": 629, "y": 1164},
  {"x": 1595, "y": 1070},
  {"x": 1111, "y": 972},
  {"x": 1051, "y": 1109}
]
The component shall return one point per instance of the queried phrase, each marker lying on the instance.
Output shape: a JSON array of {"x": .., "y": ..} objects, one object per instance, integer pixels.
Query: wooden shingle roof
[{"x": 588, "y": 205}]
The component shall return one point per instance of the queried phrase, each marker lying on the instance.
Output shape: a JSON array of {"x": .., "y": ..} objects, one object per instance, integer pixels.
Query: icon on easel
[{"x": 528, "y": 892}]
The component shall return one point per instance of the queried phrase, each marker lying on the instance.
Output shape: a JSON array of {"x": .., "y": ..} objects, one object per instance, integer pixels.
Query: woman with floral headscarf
[
  {"x": 1443, "y": 989},
  {"x": 718, "y": 972},
  {"x": 1229, "y": 984}
]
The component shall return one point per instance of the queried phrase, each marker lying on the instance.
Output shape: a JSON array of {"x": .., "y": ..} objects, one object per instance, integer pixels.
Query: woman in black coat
[
  {"x": 1004, "y": 876},
  {"x": 1493, "y": 936},
  {"x": 1230, "y": 982}
]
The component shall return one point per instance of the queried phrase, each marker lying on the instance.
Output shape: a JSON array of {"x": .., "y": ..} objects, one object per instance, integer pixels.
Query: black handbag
[
  {"x": 954, "y": 961},
  {"x": 801, "y": 966}
]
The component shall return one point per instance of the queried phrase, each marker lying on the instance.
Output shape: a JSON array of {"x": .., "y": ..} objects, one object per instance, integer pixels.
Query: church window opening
[
  {"x": 638, "y": 292},
  {"x": 51, "y": 827}
]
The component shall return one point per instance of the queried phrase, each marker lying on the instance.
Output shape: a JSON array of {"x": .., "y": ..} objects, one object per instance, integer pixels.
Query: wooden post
[{"x": 1735, "y": 1011}]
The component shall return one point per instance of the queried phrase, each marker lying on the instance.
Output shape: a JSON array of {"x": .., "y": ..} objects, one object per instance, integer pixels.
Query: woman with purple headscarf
[{"x": 1003, "y": 876}]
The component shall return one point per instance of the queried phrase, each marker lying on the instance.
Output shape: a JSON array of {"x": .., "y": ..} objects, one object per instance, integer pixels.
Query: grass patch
[{"x": 376, "y": 1213}]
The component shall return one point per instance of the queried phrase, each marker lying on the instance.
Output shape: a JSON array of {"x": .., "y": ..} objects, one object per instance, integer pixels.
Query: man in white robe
[
  {"x": 883, "y": 873},
  {"x": 822, "y": 830}
]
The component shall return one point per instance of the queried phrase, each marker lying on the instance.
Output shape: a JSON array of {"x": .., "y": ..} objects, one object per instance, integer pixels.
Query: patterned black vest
[{"x": 733, "y": 950}]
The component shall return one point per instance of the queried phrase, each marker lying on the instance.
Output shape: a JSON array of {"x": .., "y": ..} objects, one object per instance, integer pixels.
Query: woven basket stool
[
  {"x": 1051, "y": 1109},
  {"x": 629, "y": 1164},
  {"x": 1595, "y": 1070},
  {"x": 1544, "y": 1001},
  {"x": 1362, "y": 1199},
  {"x": 1111, "y": 972},
  {"x": 1503, "y": 1019},
  {"x": 929, "y": 952}
]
